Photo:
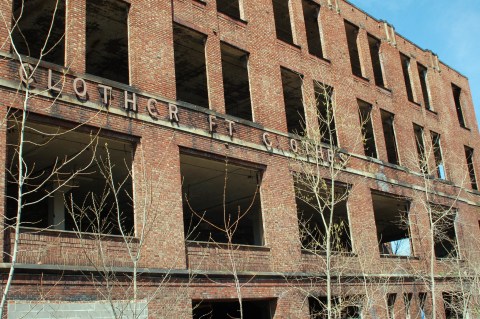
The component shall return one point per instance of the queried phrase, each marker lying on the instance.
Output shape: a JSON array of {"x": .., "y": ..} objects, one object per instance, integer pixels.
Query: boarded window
[
  {"x": 283, "y": 26},
  {"x": 457, "y": 93},
  {"x": 326, "y": 113},
  {"x": 437, "y": 154},
  {"x": 405, "y": 60},
  {"x": 352, "y": 36},
  {"x": 311, "y": 16},
  {"x": 471, "y": 167},
  {"x": 230, "y": 8},
  {"x": 374, "y": 45},
  {"x": 365, "y": 113},
  {"x": 39, "y": 29},
  {"x": 235, "y": 82},
  {"x": 221, "y": 201},
  {"x": 190, "y": 67},
  {"x": 391, "y": 221},
  {"x": 107, "y": 39},
  {"x": 389, "y": 135},
  {"x": 422, "y": 73},
  {"x": 419, "y": 141},
  {"x": 66, "y": 188},
  {"x": 292, "y": 97}
]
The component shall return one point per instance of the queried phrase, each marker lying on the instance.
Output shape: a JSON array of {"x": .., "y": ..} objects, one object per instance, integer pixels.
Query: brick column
[
  {"x": 6, "y": 10},
  {"x": 152, "y": 66},
  {"x": 75, "y": 35}
]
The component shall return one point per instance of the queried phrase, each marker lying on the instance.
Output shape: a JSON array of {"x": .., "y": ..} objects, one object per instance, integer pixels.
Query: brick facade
[{"x": 60, "y": 266}]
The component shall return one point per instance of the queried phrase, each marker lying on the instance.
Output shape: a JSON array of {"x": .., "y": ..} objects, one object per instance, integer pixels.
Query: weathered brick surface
[{"x": 156, "y": 163}]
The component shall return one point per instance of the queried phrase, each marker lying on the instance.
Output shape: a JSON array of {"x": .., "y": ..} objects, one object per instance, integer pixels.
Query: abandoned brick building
[{"x": 151, "y": 152}]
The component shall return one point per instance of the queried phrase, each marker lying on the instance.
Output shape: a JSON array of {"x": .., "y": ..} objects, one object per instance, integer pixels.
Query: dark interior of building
[
  {"x": 39, "y": 29},
  {"x": 67, "y": 186},
  {"x": 107, "y": 40},
  {"x": 221, "y": 201}
]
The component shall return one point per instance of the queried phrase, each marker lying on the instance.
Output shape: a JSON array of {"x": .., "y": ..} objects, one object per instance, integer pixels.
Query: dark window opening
[
  {"x": 221, "y": 201},
  {"x": 471, "y": 167},
  {"x": 283, "y": 26},
  {"x": 457, "y": 93},
  {"x": 326, "y": 113},
  {"x": 235, "y": 82},
  {"x": 314, "y": 216},
  {"x": 66, "y": 188},
  {"x": 437, "y": 154},
  {"x": 107, "y": 40},
  {"x": 405, "y": 60},
  {"x": 453, "y": 305},
  {"x": 213, "y": 309},
  {"x": 443, "y": 223},
  {"x": 352, "y": 36},
  {"x": 391, "y": 220},
  {"x": 230, "y": 8},
  {"x": 407, "y": 301},
  {"x": 311, "y": 16},
  {"x": 389, "y": 135},
  {"x": 391, "y": 305},
  {"x": 422, "y": 160},
  {"x": 293, "y": 99},
  {"x": 190, "y": 67},
  {"x": 33, "y": 20},
  {"x": 365, "y": 112},
  {"x": 347, "y": 307},
  {"x": 422, "y": 73},
  {"x": 422, "y": 304},
  {"x": 374, "y": 45}
]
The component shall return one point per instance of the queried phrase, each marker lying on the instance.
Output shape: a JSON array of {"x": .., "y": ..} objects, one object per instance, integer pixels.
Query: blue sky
[{"x": 449, "y": 28}]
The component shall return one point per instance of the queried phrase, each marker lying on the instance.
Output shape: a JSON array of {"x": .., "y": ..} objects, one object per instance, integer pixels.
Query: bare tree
[{"x": 322, "y": 189}]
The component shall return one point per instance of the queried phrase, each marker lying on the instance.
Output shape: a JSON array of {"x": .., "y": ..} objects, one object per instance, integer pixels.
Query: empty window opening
[
  {"x": 352, "y": 37},
  {"x": 293, "y": 99},
  {"x": 422, "y": 73},
  {"x": 66, "y": 188},
  {"x": 453, "y": 305},
  {"x": 471, "y": 167},
  {"x": 405, "y": 60},
  {"x": 314, "y": 215},
  {"x": 38, "y": 29},
  {"x": 212, "y": 309},
  {"x": 389, "y": 135},
  {"x": 407, "y": 301},
  {"x": 311, "y": 16},
  {"x": 326, "y": 113},
  {"x": 422, "y": 302},
  {"x": 190, "y": 67},
  {"x": 107, "y": 40},
  {"x": 391, "y": 298},
  {"x": 365, "y": 112},
  {"x": 391, "y": 220},
  {"x": 374, "y": 45},
  {"x": 422, "y": 160},
  {"x": 346, "y": 307},
  {"x": 443, "y": 225},
  {"x": 221, "y": 201},
  {"x": 437, "y": 154},
  {"x": 230, "y": 8},
  {"x": 283, "y": 24},
  {"x": 457, "y": 93},
  {"x": 235, "y": 82}
]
